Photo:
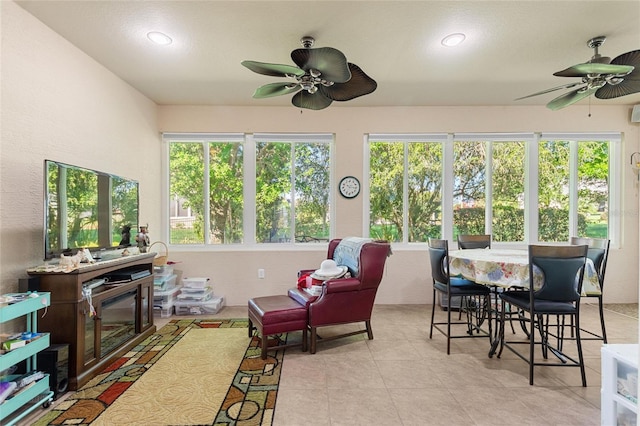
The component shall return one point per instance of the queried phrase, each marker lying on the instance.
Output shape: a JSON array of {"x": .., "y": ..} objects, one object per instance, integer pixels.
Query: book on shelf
[{"x": 6, "y": 389}]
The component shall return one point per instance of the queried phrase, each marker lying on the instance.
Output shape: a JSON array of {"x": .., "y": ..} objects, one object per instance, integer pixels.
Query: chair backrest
[
  {"x": 473, "y": 241},
  {"x": 562, "y": 269},
  {"x": 598, "y": 253},
  {"x": 371, "y": 260},
  {"x": 439, "y": 260}
]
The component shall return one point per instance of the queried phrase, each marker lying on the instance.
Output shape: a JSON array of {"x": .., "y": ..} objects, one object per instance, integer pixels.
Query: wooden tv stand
[{"x": 122, "y": 314}]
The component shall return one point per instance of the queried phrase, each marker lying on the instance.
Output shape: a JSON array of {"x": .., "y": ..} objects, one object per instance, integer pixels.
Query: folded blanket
[{"x": 348, "y": 253}]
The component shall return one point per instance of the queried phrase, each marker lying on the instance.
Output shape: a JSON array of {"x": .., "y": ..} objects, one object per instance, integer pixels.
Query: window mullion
[
  {"x": 488, "y": 188},
  {"x": 405, "y": 194},
  {"x": 447, "y": 188},
  {"x": 206, "y": 192},
  {"x": 573, "y": 188},
  {"x": 292, "y": 194},
  {"x": 249, "y": 191},
  {"x": 531, "y": 190}
]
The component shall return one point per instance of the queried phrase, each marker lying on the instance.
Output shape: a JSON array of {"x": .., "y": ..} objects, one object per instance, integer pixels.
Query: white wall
[
  {"x": 407, "y": 275},
  {"x": 59, "y": 104}
]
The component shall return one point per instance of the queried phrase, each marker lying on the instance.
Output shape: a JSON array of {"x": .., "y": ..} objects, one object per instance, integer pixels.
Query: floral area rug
[{"x": 248, "y": 400}]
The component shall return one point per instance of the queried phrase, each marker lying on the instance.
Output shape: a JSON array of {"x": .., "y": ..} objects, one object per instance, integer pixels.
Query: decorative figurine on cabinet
[
  {"x": 143, "y": 239},
  {"x": 126, "y": 236}
]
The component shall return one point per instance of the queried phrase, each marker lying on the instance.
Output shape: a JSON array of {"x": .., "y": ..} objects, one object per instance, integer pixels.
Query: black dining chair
[
  {"x": 599, "y": 254},
  {"x": 483, "y": 241},
  {"x": 555, "y": 284},
  {"x": 450, "y": 287},
  {"x": 470, "y": 241},
  {"x": 474, "y": 241}
]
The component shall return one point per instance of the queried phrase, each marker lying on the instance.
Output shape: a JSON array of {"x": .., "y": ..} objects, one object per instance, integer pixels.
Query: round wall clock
[{"x": 349, "y": 187}]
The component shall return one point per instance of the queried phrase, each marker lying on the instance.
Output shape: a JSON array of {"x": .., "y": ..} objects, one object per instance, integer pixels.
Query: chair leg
[
  {"x": 501, "y": 326},
  {"x": 304, "y": 339},
  {"x": 433, "y": 312},
  {"x": 314, "y": 340},
  {"x": 487, "y": 302},
  {"x": 544, "y": 334},
  {"x": 448, "y": 324},
  {"x": 367, "y": 324},
  {"x": 532, "y": 344},
  {"x": 580, "y": 357},
  {"x": 264, "y": 344},
  {"x": 601, "y": 310},
  {"x": 250, "y": 328}
]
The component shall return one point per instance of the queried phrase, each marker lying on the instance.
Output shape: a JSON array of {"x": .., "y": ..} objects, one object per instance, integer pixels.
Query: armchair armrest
[{"x": 341, "y": 285}]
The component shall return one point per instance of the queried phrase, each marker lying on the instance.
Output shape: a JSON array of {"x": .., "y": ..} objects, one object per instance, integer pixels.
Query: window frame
[
  {"x": 531, "y": 140},
  {"x": 248, "y": 141}
]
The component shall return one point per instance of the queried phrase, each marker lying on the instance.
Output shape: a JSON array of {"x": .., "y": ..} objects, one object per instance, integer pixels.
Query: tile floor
[{"x": 404, "y": 378}]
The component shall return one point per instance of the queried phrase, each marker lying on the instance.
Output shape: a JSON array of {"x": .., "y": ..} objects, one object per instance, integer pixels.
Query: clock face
[{"x": 349, "y": 187}]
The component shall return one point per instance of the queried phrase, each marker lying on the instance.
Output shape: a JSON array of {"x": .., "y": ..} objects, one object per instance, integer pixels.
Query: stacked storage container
[
  {"x": 196, "y": 298},
  {"x": 164, "y": 290}
]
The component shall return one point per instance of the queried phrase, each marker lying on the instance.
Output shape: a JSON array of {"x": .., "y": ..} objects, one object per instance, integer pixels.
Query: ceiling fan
[
  {"x": 605, "y": 78},
  {"x": 322, "y": 75}
]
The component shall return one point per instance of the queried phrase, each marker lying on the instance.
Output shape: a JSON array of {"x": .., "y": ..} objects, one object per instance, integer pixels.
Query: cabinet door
[
  {"x": 146, "y": 305},
  {"x": 116, "y": 320}
]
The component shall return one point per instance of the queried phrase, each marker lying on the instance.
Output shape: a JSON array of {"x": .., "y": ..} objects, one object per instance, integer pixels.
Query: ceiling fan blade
[
  {"x": 274, "y": 70},
  {"x": 359, "y": 85},
  {"x": 564, "y": 86},
  {"x": 630, "y": 83},
  {"x": 582, "y": 70},
  {"x": 329, "y": 61},
  {"x": 315, "y": 101},
  {"x": 569, "y": 98},
  {"x": 275, "y": 89},
  {"x": 630, "y": 58}
]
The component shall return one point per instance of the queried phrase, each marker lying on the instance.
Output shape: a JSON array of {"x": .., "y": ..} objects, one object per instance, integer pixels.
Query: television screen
[{"x": 87, "y": 209}]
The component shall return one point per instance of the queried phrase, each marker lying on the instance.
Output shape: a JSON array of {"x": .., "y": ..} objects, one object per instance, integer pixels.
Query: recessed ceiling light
[
  {"x": 453, "y": 39},
  {"x": 159, "y": 38}
]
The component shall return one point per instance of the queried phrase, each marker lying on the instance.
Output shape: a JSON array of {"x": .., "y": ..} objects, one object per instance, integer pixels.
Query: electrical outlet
[{"x": 261, "y": 273}]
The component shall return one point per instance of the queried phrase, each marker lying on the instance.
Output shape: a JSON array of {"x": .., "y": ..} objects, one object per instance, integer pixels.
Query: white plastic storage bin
[
  {"x": 164, "y": 270},
  {"x": 165, "y": 297},
  {"x": 164, "y": 309},
  {"x": 195, "y": 307},
  {"x": 195, "y": 282},
  {"x": 196, "y": 291},
  {"x": 200, "y": 295},
  {"x": 164, "y": 282}
]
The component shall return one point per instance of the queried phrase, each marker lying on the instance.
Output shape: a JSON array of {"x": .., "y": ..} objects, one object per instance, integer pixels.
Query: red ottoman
[{"x": 277, "y": 314}]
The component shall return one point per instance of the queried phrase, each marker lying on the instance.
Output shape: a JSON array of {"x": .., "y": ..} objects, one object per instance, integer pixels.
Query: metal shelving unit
[{"x": 37, "y": 393}]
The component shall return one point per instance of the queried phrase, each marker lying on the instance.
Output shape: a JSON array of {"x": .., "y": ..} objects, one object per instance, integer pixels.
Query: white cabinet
[
  {"x": 38, "y": 392},
  {"x": 619, "y": 392}
]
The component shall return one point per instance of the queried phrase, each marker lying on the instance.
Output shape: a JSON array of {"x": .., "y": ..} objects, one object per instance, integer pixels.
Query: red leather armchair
[{"x": 346, "y": 300}]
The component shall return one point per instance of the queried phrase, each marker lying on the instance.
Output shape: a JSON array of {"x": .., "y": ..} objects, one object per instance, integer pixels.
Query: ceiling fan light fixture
[
  {"x": 159, "y": 38},
  {"x": 453, "y": 40},
  {"x": 322, "y": 75}
]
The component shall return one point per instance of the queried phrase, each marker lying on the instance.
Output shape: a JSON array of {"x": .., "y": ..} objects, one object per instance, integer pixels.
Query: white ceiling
[{"x": 512, "y": 47}]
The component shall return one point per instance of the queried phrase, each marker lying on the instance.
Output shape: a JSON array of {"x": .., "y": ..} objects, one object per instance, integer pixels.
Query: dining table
[
  {"x": 502, "y": 269},
  {"x": 507, "y": 268}
]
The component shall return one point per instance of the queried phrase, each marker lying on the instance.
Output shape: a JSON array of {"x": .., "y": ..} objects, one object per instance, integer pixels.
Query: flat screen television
[{"x": 85, "y": 208}]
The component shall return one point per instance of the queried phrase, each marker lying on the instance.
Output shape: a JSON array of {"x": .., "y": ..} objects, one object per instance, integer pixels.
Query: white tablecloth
[{"x": 506, "y": 268}]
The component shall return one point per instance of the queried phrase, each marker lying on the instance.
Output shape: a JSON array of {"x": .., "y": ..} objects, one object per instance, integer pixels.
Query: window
[
  {"x": 248, "y": 189},
  {"x": 573, "y": 186},
  {"x": 442, "y": 185},
  {"x": 405, "y": 188}
]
